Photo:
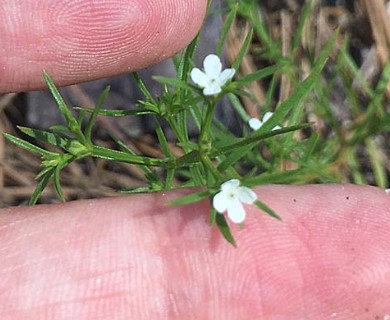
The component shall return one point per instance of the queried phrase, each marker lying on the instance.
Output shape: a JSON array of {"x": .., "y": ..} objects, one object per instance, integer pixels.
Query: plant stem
[
  {"x": 205, "y": 130},
  {"x": 105, "y": 153},
  {"x": 210, "y": 166},
  {"x": 205, "y": 143}
]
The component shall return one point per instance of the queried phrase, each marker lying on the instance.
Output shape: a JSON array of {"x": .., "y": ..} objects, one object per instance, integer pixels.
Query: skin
[
  {"x": 137, "y": 258},
  {"x": 83, "y": 40}
]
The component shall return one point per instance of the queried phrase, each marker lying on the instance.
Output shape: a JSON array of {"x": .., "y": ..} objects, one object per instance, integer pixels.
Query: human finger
[
  {"x": 83, "y": 40},
  {"x": 135, "y": 258}
]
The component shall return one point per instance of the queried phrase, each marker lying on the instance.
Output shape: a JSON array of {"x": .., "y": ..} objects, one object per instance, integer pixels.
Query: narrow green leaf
[
  {"x": 188, "y": 158},
  {"x": 237, "y": 105},
  {"x": 117, "y": 113},
  {"x": 28, "y": 146},
  {"x": 237, "y": 91},
  {"x": 81, "y": 117},
  {"x": 313, "y": 143},
  {"x": 61, "y": 130},
  {"x": 374, "y": 109},
  {"x": 182, "y": 87},
  {"x": 355, "y": 166},
  {"x": 271, "y": 92},
  {"x": 291, "y": 176},
  {"x": 141, "y": 85},
  {"x": 234, "y": 157},
  {"x": 243, "y": 50},
  {"x": 189, "y": 145},
  {"x": 257, "y": 75},
  {"x": 70, "y": 119},
  {"x": 196, "y": 114},
  {"x": 380, "y": 91},
  {"x": 302, "y": 90},
  {"x": 173, "y": 82},
  {"x": 180, "y": 121},
  {"x": 348, "y": 63},
  {"x": 163, "y": 140},
  {"x": 240, "y": 148},
  {"x": 105, "y": 153},
  {"x": 250, "y": 11},
  {"x": 93, "y": 117},
  {"x": 190, "y": 198},
  {"x": 57, "y": 183},
  {"x": 304, "y": 18},
  {"x": 225, "y": 29},
  {"x": 224, "y": 229},
  {"x": 169, "y": 179},
  {"x": 149, "y": 174},
  {"x": 41, "y": 186},
  {"x": 138, "y": 190},
  {"x": 266, "y": 209},
  {"x": 185, "y": 61},
  {"x": 43, "y": 172},
  {"x": 47, "y": 137},
  {"x": 377, "y": 161},
  {"x": 197, "y": 174}
]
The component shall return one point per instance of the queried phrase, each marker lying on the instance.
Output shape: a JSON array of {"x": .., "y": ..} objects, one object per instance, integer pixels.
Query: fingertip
[
  {"x": 330, "y": 249},
  {"x": 77, "y": 40},
  {"x": 327, "y": 259}
]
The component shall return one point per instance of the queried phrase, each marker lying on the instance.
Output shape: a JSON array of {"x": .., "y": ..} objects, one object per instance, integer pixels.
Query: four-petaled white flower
[
  {"x": 213, "y": 78},
  {"x": 256, "y": 124},
  {"x": 230, "y": 199}
]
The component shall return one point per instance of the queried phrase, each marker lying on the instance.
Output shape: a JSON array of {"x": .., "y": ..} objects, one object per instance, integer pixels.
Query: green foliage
[{"x": 254, "y": 157}]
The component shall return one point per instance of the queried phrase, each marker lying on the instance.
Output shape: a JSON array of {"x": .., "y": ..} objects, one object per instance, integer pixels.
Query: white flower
[
  {"x": 256, "y": 124},
  {"x": 213, "y": 78},
  {"x": 231, "y": 197}
]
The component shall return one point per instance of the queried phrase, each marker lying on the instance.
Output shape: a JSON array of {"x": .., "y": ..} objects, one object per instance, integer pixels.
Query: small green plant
[{"x": 222, "y": 166}]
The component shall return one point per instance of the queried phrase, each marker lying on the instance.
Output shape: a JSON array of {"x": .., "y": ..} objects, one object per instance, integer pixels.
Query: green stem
[
  {"x": 101, "y": 152},
  {"x": 205, "y": 144},
  {"x": 210, "y": 167},
  {"x": 204, "y": 137}
]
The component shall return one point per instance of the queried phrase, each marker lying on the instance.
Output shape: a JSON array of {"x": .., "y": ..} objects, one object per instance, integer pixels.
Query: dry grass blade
[
  {"x": 379, "y": 15},
  {"x": 287, "y": 27},
  {"x": 380, "y": 24}
]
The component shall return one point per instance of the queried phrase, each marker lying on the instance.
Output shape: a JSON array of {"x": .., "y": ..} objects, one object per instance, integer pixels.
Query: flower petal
[
  {"x": 255, "y": 123},
  {"x": 212, "y": 66},
  {"x": 199, "y": 77},
  {"x": 246, "y": 195},
  {"x": 267, "y": 116},
  {"x": 232, "y": 183},
  {"x": 212, "y": 91},
  {"x": 220, "y": 202},
  {"x": 226, "y": 75},
  {"x": 236, "y": 212}
]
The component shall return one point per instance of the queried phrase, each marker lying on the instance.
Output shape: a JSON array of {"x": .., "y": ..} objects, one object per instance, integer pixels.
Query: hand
[
  {"x": 133, "y": 257},
  {"x": 83, "y": 40}
]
